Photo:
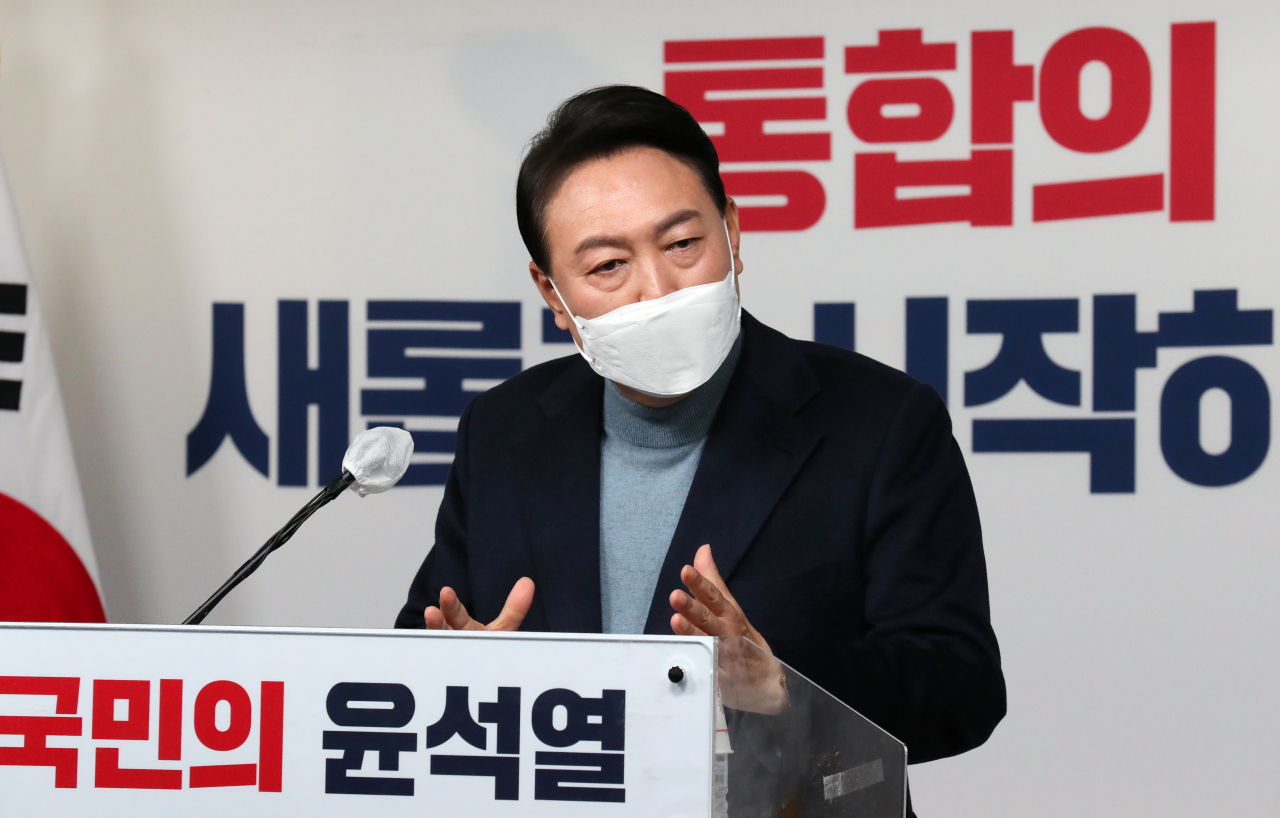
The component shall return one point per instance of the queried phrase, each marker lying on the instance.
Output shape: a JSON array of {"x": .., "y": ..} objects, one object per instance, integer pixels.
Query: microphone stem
[{"x": 326, "y": 495}]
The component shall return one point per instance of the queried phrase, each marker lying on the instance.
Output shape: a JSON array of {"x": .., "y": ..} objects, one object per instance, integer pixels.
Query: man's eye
[
  {"x": 609, "y": 266},
  {"x": 683, "y": 244}
]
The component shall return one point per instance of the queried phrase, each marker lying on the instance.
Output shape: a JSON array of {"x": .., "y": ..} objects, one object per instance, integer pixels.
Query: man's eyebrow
[
  {"x": 674, "y": 220},
  {"x": 592, "y": 242}
]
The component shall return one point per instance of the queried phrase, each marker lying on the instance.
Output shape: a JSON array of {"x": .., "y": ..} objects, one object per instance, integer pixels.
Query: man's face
[{"x": 632, "y": 227}]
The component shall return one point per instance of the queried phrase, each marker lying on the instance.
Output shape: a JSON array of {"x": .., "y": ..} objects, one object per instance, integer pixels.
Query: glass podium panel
[{"x": 785, "y": 748}]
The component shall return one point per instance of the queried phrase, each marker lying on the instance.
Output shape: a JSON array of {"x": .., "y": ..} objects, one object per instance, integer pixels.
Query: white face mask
[{"x": 668, "y": 346}]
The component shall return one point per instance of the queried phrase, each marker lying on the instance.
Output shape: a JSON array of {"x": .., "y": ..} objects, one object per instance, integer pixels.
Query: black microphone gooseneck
[{"x": 326, "y": 495}]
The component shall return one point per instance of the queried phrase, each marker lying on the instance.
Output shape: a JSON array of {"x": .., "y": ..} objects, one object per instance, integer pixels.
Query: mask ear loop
[
  {"x": 733, "y": 267},
  {"x": 572, "y": 318}
]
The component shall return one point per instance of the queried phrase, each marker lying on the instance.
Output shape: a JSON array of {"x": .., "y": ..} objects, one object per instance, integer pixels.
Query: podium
[{"x": 112, "y": 720}]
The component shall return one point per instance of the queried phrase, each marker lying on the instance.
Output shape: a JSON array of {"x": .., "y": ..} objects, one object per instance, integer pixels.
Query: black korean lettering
[
  {"x": 344, "y": 694},
  {"x": 361, "y": 704},
  {"x": 354, "y": 745},
  {"x": 610, "y": 731},
  {"x": 588, "y": 768}
]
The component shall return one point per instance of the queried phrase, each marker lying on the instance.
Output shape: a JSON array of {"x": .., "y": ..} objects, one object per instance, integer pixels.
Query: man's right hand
[{"x": 452, "y": 615}]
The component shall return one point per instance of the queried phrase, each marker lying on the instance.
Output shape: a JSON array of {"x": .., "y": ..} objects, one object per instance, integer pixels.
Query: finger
[
  {"x": 682, "y": 627},
  {"x": 455, "y": 613},
  {"x": 705, "y": 564},
  {"x": 697, "y": 614},
  {"x": 435, "y": 619},
  {"x": 706, "y": 592},
  {"x": 726, "y": 607},
  {"x": 515, "y": 608}
]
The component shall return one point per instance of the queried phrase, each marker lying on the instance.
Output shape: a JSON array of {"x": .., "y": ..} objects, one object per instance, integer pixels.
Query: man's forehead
[{"x": 638, "y": 187}]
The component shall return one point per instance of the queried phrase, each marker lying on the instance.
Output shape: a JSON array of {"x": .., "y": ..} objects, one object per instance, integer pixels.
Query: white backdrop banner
[{"x": 295, "y": 221}]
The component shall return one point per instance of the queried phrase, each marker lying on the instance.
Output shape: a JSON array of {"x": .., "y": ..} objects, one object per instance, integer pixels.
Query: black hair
[{"x": 599, "y": 123}]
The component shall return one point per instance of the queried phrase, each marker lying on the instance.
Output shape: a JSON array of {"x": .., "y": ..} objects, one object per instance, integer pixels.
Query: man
[{"x": 695, "y": 471}]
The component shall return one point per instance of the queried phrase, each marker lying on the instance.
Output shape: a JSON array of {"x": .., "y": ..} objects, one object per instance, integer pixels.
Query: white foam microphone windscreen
[{"x": 378, "y": 458}]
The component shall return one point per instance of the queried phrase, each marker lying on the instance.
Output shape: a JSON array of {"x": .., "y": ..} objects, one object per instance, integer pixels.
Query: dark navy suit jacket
[{"x": 835, "y": 500}]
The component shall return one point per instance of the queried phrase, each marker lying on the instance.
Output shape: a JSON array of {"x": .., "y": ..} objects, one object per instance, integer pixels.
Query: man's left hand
[{"x": 750, "y": 679}]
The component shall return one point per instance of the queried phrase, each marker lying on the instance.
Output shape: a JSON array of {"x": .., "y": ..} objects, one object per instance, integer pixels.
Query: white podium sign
[{"x": 142, "y": 720}]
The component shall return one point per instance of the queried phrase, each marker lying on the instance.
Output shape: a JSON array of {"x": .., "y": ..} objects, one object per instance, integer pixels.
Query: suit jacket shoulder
[{"x": 522, "y": 399}]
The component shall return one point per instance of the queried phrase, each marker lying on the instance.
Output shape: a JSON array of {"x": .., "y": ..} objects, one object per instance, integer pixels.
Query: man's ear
[
  {"x": 543, "y": 282},
  {"x": 731, "y": 220}
]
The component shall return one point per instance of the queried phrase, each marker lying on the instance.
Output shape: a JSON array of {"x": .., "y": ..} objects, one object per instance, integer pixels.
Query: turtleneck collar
[{"x": 679, "y": 424}]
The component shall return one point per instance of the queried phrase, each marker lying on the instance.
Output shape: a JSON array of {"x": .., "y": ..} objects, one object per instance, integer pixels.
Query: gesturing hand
[
  {"x": 452, "y": 615},
  {"x": 750, "y": 679}
]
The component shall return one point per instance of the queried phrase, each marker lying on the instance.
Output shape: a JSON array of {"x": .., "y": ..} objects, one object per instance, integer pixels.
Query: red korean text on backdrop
[
  {"x": 997, "y": 85},
  {"x": 1191, "y": 126},
  {"x": 913, "y": 106},
  {"x": 737, "y": 97},
  {"x": 879, "y": 175},
  {"x": 1066, "y": 124}
]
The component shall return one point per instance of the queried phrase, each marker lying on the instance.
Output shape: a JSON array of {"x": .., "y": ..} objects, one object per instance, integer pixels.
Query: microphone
[{"x": 375, "y": 461}]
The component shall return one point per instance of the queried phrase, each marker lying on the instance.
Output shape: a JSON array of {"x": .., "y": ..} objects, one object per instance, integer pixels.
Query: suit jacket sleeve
[
  {"x": 446, "y": 562},
  {"x": 928, "y": 667}
]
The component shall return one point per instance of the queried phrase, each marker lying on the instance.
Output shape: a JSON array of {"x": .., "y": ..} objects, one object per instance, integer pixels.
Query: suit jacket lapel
[
  {"x": 755, "y": 448},
  {"x": 559, "y": 463}
]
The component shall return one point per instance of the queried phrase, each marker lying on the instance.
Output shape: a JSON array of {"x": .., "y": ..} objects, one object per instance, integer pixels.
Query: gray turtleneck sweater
[{"x": 647, "y": 463}]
